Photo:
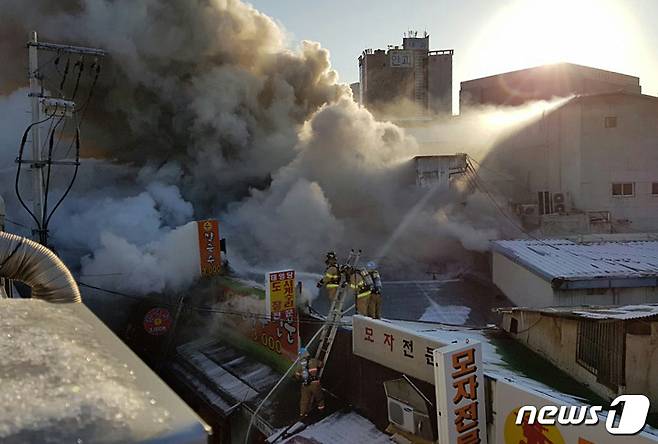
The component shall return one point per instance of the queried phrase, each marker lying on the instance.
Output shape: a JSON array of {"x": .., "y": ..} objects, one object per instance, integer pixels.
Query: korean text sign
[
  {"x": 279, "y": 291},
  {"x": 460, "y": 393},
  {"x": 395, "y": 347},
  {"x": 210, "y": 258}
]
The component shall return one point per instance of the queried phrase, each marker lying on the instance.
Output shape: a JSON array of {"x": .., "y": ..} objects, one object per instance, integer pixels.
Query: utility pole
[
  {"x": 51, "y": 107},
  {"x": 36, "y": 166}
]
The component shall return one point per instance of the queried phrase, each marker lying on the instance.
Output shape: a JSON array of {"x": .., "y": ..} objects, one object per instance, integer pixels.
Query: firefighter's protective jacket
[
  {"x": 331, "y": 278},
  {"x": 308, "y": 370},
  {"x": 358, "y": 284}
]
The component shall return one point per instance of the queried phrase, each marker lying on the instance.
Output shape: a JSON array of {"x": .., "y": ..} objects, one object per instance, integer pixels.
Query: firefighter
[
  {"x": 311, "y": 391},
  {"x": 361, "y": 290},
  {"x": 375, "y": 299},
  {"x": 331, "y": 278}
]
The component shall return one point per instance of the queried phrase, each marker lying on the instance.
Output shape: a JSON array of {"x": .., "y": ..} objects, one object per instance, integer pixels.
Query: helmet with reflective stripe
[
  {"x": 303, "y": 352},
  {"x": 331, "y": 257},
  {"x": 370, "y": 266}
]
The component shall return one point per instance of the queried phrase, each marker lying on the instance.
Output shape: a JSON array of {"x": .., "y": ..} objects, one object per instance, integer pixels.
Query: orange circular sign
[{"x": 530, "y": 433}]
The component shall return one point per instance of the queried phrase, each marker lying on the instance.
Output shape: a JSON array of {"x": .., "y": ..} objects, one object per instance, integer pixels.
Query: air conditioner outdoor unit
[
  {"x": 528, "y": 209},
  {"x": 560, "y": 208},
  {"x": 558, "y": 198},
  {"x": 401, "y": 414}
]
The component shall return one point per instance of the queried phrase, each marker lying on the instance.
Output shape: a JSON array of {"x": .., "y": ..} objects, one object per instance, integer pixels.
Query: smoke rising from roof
[{"x": 203, "y": 111}]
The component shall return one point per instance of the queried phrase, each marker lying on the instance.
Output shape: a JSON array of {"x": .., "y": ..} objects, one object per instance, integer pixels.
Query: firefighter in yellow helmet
[
  {"x": 375, "y": 300},
  {"x": 308, "y": 372},
  {"x": 331, "y": 279},
  {"x": 360, "y": 288}
]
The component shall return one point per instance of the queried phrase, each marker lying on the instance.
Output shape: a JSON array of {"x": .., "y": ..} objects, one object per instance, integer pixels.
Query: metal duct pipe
[{"x": 35, "y": 265}]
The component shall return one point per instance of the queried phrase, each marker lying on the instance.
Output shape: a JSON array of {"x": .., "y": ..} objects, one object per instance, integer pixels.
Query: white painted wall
[
  {"x": 627, "y": 153},
  {"x": 570, "y": 151},
  {"x": 527, "y": 289},
  {"x": 555, "y": 339},
  {"x": 522, "y": 287}
]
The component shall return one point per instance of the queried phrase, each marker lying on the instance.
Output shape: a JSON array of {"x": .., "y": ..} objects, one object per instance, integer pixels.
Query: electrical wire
[
  {"x": 81, "y": 66},
  {"x": 19, "y": 160},
  {"x": 85, "y": 105},
  {"x": 66, "y": 73},
  {"x": 72, "y": 181},
  {"x": 498, "y": 173},
  {"x": 203, "y": 309},
  {"x": 18, "y": 224},
  {"x": 482, "y": 188}
]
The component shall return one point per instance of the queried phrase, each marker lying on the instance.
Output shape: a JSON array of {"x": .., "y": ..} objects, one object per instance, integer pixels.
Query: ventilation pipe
[{"x": 35, "y": 265}]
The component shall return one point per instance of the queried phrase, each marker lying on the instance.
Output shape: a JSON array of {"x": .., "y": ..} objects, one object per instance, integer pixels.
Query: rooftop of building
[
  {"x": 607, "y": 313},
  {"x": 571, "y": 265},
  {"x": 562, "y": 67},
  {"x": 449, "y": 299},
  {"x": 67, "y": 378}
]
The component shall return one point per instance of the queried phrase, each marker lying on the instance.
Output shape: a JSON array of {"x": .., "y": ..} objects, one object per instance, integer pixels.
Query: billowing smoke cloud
[{"x": 202, "y": 110}]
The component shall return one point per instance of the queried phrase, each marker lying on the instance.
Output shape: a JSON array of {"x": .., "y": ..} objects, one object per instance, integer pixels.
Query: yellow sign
[
  {"x": 280, "y": 292},
  {"x": 530, "y": 433}
]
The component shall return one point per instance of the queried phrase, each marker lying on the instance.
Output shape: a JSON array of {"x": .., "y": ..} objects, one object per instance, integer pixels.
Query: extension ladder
[{"x": 330, "y": 326}]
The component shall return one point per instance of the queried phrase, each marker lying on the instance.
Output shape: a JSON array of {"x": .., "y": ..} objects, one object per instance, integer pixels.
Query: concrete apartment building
[
  {"x": 544, "y": 83},
  {"x": 611, "y": 350},
  {"x": 406, "y": 81},
  {"x": 589, "y": 165}
]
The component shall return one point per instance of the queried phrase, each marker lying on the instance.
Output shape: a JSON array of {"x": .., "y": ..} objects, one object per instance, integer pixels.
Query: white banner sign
[
  {"x": 509, "y": 398},
  {"x": 394, "y": 347},
  {"x": 460, "y": 393}
]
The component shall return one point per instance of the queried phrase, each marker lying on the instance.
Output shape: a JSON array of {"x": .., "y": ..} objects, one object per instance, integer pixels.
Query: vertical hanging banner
[
  {"x": 210, "y": 256},
  {"x": 459, "y": 384},
  {"x": 279, "y": 291},
  {"x": 281, "y": 310}
]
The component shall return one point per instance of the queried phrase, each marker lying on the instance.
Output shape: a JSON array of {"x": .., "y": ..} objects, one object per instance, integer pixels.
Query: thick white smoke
[{"x": 203, "y": 111}]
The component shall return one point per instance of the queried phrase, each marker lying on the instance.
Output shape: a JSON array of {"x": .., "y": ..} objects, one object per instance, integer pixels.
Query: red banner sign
[{"x": 210, "y": 255}]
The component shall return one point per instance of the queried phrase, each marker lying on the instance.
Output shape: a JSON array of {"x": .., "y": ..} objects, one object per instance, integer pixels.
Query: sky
[{"x": 488, "y": 36}]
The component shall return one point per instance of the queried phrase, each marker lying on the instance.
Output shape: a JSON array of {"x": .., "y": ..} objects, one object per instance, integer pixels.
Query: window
[
  {"x": 514, "y": 325},
  {"x": 654, "y": 188},
  {"x": 610, "y": 122},
  {"x": 544, "y": 201},
  {"x": 601, "y": 349},
  {"x": 623, "y": 189}
]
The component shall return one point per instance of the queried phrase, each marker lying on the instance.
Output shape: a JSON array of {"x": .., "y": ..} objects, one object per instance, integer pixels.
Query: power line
[
  {"x": 18, "y": 224},
  {"x": 42, "y": 179},
  {"x": 554, "y": 247},
  {"x": 483, "y": 189},
  {"x": 201, "y": 309},
  {"x": 499, "y": 174},
  {"x": 248, "y": 314}
]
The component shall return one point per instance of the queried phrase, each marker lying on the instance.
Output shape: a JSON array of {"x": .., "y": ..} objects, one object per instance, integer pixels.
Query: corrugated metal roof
[
  {"x": 449, "y": 300},
  {"x": 559, "y": 259},
  {"x": 341, "y": 427},
  {"x": 624, "y": 312}
]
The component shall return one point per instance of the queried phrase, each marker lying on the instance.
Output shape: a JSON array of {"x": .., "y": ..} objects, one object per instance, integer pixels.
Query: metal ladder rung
[{"x": 330, "y": 327}]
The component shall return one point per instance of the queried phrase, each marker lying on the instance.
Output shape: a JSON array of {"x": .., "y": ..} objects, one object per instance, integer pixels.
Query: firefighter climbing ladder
[
  {"x": 335, "y": 314},
  {"x": 328, "y": 334}
]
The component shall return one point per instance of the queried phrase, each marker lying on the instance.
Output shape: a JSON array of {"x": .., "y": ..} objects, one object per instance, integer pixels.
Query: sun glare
[{"x": 598, "y": 33}]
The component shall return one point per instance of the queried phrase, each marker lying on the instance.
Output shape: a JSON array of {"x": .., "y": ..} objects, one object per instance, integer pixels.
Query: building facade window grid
[{"x": 623, "y": 189}]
